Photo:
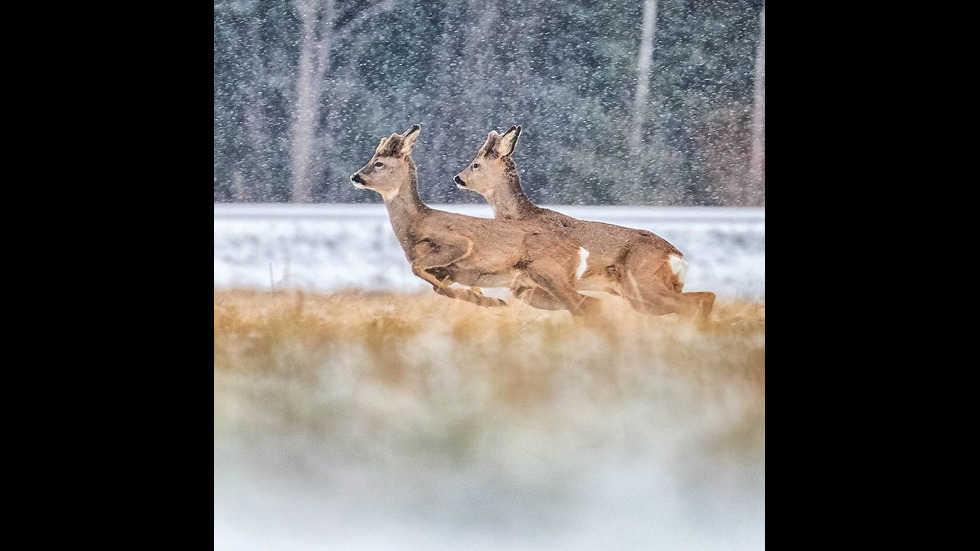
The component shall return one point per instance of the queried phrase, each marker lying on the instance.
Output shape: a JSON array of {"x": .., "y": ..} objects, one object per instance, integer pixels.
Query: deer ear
[
  {"x": 489, "y": 147},
  {"x": 508, "y": 141},
  {"x": 381, "y": 146},
  {"x": 408, "y": 139}
]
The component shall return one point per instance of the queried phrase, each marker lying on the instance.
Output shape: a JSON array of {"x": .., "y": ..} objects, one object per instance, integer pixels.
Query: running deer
[
  {"x": 443, "y": 247},
  {"x": 639, "y": 265}
]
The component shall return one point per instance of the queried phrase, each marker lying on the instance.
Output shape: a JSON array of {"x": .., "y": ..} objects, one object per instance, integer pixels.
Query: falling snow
[{"x": 304, "y": 89}]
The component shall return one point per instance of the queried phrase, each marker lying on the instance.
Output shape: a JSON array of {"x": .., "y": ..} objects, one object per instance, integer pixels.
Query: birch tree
[
  {"x": 643, "y": 64},
  {"x": 317, "y": 35}
]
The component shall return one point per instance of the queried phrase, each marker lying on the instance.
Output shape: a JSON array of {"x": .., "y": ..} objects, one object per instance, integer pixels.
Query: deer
[
  {"x": 442, "y": 248},
  {"x": 636, "y": 264}
]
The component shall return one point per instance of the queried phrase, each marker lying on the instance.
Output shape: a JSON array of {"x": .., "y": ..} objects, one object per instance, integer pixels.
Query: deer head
[
  {"x": 492, "y": 165},
  {"x": 390, "y": 167}
]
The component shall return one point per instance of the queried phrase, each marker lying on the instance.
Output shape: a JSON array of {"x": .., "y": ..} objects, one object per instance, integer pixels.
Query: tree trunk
[
  {"x": 643, "y": 74},
  {"x": 301, "y": 142},
  {"x": 316, "y": 19},
  {"x": 757, "y": 158}
]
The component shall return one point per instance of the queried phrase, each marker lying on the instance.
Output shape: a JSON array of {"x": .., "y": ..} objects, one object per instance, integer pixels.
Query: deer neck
[
  {"x": 509, "y": 201},
  {"x": 405, "y": 208}
]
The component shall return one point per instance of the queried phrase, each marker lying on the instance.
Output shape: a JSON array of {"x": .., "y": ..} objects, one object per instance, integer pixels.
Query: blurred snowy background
[
  {"x": 643, "y": 102},
  {"x": 334, "y": 247}
]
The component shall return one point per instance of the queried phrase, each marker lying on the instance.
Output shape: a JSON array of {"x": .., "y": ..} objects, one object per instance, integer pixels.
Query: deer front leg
[
  {"x": 536, "y": 297},
  {"x": 556, "y": 279},
  {"x": 430, "y": 255},
  {"x": 443, "y": 288}
]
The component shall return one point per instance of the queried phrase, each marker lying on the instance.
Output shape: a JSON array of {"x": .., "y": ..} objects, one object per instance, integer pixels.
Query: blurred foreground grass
[{"x": 420, "y": 410}]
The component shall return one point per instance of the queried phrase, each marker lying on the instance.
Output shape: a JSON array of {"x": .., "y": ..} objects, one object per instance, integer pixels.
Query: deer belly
[
  {"x": 476, "y": 278},
  {"x": 597, "y": 282}
]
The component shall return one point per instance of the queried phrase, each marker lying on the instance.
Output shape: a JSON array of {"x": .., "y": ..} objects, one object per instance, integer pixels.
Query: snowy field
[{"x": 333, "y": 247}]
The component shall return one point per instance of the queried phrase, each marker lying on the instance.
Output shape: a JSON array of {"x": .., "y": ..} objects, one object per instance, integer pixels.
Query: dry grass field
[{"x": 410, "y": 421}]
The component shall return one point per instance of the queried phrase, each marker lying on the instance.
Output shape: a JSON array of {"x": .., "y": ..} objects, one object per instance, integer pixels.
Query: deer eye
[
  {"x": 379, "y": 164},
  {"x": 476, "y": 165}
]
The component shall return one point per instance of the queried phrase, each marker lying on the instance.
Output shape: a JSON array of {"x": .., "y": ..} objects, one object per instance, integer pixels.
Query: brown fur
[
  {"x": 624, "y": 261},
  {"x": 443, "y": 247}
]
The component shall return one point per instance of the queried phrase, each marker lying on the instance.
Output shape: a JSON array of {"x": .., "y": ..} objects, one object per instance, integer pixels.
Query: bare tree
[
  {"x": 317, "y": 19},
  {"x": 643, "y": 64},
  {"x": 757, "y": 157}
]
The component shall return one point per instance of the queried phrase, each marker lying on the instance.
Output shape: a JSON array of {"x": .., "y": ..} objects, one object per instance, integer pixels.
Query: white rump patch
[
  {"x": 679, "y": 266},
  {"x": 582, "y": 265}
]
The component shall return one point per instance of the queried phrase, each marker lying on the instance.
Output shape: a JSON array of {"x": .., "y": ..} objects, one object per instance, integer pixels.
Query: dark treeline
[{"x": 644, "y": 102}]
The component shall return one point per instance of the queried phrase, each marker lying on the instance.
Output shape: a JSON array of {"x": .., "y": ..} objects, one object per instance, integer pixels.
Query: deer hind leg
[
  {"x": 703, "y": 303},
  {"x": 653, "y": 296}
]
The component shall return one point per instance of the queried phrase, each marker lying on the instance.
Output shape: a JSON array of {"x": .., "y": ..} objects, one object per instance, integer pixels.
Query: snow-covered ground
[{"x": 330, "y": 247}]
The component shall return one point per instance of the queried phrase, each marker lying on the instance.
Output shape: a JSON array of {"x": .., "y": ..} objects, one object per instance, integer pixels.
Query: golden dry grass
[
  {"x": 432, "y": 350},
  {"x": 438, "y": 412},
  {"x": 253, "y": 330}
]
